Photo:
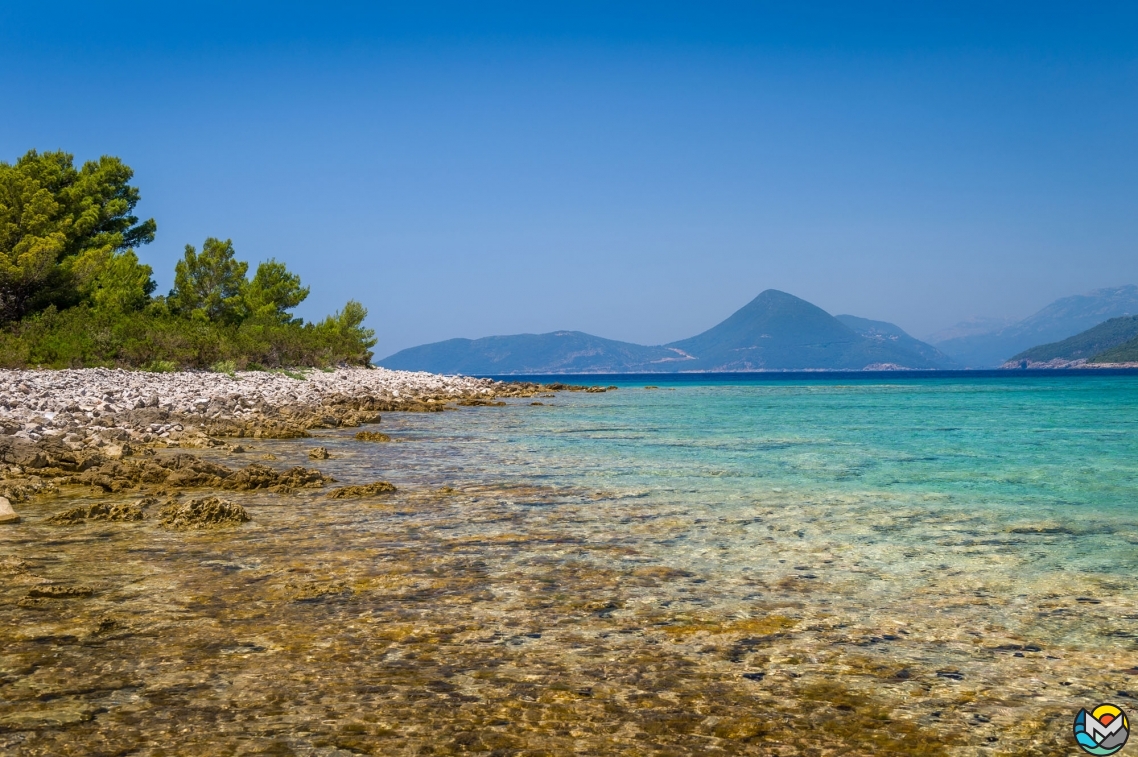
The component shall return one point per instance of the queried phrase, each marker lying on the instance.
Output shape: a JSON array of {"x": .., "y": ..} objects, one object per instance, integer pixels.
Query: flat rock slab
[
  {"x": 7, "y": 514},
  {"x": 50, "y": 715}
]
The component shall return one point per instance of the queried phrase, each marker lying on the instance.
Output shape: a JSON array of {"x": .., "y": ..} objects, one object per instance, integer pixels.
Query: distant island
[{"x": 776, "y": 331}]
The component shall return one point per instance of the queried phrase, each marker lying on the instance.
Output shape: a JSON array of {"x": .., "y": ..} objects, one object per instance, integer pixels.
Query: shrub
[{"x": 154, "y": 339}]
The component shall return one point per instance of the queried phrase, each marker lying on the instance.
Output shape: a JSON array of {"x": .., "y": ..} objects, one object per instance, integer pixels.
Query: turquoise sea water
[{"x": 1053, "y": 453}]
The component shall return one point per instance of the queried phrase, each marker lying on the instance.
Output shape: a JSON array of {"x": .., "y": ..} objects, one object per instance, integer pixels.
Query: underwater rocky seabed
[{"x": 921, "y": 568}]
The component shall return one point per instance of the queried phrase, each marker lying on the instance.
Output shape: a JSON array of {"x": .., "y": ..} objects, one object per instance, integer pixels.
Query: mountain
[
  {"x": 778, "y": 331},
  {"x": 1059, "y": 320},
  {"x": 885, "y": 331},
  {"x": 775, "y": 331},
  {"x": 557, "y": 352},
  {"x": 1092, "y": 345}
]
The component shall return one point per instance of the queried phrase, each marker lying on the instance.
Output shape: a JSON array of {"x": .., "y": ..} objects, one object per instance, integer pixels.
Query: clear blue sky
[{"x": 637, "y": 171}]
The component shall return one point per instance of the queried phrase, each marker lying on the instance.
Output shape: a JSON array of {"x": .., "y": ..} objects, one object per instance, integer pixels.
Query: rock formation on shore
[
  {"x": 7, "y": 514},
  {"x": 107, "y": 408},
  {"x": 208, "y": 512},
  {"x": 109, "y": 429},
  {"x": 367, "y": 490}
]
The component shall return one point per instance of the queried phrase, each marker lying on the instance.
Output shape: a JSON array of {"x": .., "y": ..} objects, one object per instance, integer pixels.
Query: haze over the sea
[{"x": 638, "y": 171}]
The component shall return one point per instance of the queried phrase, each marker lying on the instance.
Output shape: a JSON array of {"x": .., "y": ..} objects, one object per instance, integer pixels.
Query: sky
[{"x": 635, "y": 171}]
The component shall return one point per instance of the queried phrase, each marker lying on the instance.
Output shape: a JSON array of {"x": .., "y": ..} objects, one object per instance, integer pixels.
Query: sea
[{"x": 772, "y": 564}]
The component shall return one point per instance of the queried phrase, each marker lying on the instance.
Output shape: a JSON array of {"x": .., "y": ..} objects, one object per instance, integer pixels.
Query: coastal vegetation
[
  {"x": 1127, "y": 352},
  {"x": 74, "y": 293},
  {"x": 1113, "y": 341}
]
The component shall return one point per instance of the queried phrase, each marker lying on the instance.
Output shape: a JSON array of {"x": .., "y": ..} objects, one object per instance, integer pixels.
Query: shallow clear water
[
  {"x": 854, "y": 567},
  {"x": 1052, "y": 454}
]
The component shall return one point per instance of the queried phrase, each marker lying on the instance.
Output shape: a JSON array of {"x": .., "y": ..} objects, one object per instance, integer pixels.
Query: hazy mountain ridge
[
  {"x": 975, "y": 326},
  {"x": 775, "y": 331},
  {"x": 1059, "y": 320}
]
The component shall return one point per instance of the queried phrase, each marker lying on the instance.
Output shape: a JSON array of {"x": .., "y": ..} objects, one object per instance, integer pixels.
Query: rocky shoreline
[
  {"x": 78, "y": 406},
  {"x": 104, "y": 428},
  {"x": 1058, "y": 362}
]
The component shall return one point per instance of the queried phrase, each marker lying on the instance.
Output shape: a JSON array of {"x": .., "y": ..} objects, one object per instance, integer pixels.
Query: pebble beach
[
  {"x": 105, "y": 428},
  {"x": 81, "y": 406}
]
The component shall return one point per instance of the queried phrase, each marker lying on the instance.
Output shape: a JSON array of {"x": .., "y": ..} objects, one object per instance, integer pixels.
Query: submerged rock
[
  {"x": 210, "y": 512},
  {"x": 184, "y": 471},
  {"x": 257, "y": 476},
  {"x": 367, "y": 490},
  {"x": 1042, "y": 529},
  {"x": 372, "y": 436},
  {"x": 113, "y": 511},
  {"x": 56, "y": 591},
  {"x": 7, "y": 514},
  {"x": 319, "y": 453}
]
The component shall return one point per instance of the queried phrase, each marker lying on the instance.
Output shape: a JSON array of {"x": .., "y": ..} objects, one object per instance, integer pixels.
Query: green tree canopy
[
  {"x": 274, "y": 291},
  {"x": 67, "y": 235},
  {"x": 348, "y": 327},
  {"x": 210, "y": 286}
]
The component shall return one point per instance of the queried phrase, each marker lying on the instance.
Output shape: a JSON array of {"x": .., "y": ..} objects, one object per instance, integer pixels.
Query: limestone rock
[
  {"x": 372, "y": 436},
  {"x": 319, "y": 453},
  {"x": 258, "y": 476},
  {"x": 56, "y": 591},
  {"x": 184, "y": 471},
  {"x": 210, "y": 512},
  {"x": 7, "y": 514},
  {"x": 20, "y": 489},
  {"x": 112, "y": 511},
  {"x": 367, "y": 490}
]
